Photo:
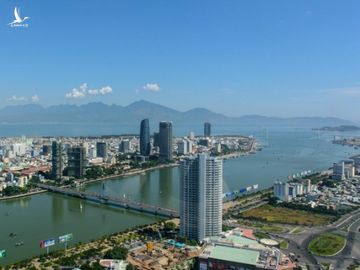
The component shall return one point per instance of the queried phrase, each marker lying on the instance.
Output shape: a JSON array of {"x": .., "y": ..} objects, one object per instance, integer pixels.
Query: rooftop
[{"x": 238, "y": 255}]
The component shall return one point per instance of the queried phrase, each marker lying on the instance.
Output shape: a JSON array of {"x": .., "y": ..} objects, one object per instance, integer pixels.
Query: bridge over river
[{"x": 113, "y": 201}]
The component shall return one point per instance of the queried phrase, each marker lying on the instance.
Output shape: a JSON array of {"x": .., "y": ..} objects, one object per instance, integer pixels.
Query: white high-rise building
[
  {"x": 201, "y": 197},
  {"x": 189, "y": 146},
  {"x": 182, "y": 147},
  {"x": 19, "y": 149}
]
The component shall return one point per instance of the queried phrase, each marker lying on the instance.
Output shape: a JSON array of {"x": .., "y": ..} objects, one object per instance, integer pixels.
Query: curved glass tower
[{"x": 145, "y": 138}]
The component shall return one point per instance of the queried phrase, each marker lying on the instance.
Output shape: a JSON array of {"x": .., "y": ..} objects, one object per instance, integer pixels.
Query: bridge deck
[{"x": 115, "y": 201}]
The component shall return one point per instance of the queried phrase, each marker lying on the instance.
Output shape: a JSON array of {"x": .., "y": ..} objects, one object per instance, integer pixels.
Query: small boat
[
  {"x": 12, "y": 234},
  {"x": 18, "y": 244}
]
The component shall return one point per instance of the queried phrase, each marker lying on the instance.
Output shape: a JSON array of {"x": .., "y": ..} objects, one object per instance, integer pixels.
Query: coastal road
[{"x": 351, "y": 252}]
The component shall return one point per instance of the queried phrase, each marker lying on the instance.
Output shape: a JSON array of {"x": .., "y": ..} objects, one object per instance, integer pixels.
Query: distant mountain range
[{"x": 102, "y": 113}]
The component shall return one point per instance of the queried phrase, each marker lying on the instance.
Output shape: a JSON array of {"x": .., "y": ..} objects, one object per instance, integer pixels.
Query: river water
[{"x": 47, "y": 215}]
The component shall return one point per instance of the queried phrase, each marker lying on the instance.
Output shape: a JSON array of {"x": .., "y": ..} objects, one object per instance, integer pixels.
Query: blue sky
[{"x": 276, "y": 58}]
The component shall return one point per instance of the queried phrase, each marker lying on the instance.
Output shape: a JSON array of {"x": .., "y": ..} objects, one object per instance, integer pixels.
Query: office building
[
  {"x": 189, "y": 146},
  {"x": 46, "y": 149},
  {"x": 76, "y": 161},
  {"x": 57, "y": 160},
  {"x": 92, "y": 152},
  {"x": 344, "y": 169},
  {"x": 182, "y": 147},
  {"x": 218, "y": 147},
  {"x": 286, "y": 191},
  {"x": 18, "y": 149},
  {"x": 356, "y": 160},
  {"x": 145, "y": 138},
  {"x": 124, "y": 146},
  {"x": 165, "y": 140},
  {"x": 156, "y": 139},
  {"x": 201, "y": 197},
  {"x": 101, "y": 150},
  {"x": 207, "y": 129}
]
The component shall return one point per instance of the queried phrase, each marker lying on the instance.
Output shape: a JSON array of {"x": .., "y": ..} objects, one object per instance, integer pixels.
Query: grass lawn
[
  {"x": 298, "y": 230},
  {"x": 261, "y": 235},
  {"x": 271, "y": 229},
  {"x": 284, "y": 244},
  {"x": 284, "y": 215},
  {"x": 326, "y": 244}
]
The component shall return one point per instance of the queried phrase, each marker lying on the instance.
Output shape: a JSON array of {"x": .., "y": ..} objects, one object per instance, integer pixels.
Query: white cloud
[
  {"x": 93, "y": 92},
  {"x": 35, "y": 98},
  {"x": 17, "y": 99},
  {"x": 83, "y": 91},
  {"x": 105, "y": 90},
  {"x": 75, "y": 93},
  {"x": 83, "y": 87},
  {"x": 152, "y": 87}
]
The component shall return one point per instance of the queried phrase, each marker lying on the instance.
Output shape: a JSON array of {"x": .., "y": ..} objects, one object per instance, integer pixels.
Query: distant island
[{"x": 342, "y": 128}]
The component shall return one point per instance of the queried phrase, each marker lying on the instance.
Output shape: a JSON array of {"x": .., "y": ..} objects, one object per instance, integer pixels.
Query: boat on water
[
  {"x": 18, "y": 244},
  {"x": 12, "y": 234}
]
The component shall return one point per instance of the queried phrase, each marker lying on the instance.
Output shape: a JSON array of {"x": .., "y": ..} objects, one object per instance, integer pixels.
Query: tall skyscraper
[
  {"x": 57, "y": 160},
  {"x": 165, "y": 140},
  {"x": 156, "y": 139},
  {"x": 145, "y": 138},
  {"x": 207, "y": 129},
  {"x": 76, "y": 161},
  {"x": 201, "y": 197},
  {"x": 124, "y": 146},
  {"x": 101, "y": 150}
]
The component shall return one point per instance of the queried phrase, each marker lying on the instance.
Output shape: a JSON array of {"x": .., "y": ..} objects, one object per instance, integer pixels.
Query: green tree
[
  {"x": 119, "y": 253},
  {"x": 170, "y": 226}
]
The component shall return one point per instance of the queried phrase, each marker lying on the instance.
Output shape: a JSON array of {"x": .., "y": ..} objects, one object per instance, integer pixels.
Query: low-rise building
[{"x": 238, "y": 249}]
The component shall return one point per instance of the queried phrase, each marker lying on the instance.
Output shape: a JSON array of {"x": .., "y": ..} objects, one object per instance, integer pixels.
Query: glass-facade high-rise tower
[
  {"x": 76, "y": 161},
  {"x": 165, "y": 140},
  {"x": 145, "y": 138},
  {"x": 201, "y": 197},
  {"x": 57, "y": 160},
  {"x": 101, "y": 150},
  {"x": 207, "y": 129}
]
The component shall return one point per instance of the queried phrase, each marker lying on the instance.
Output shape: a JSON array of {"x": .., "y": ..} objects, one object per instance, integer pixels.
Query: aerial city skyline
[{"x": 180, "y": 135}]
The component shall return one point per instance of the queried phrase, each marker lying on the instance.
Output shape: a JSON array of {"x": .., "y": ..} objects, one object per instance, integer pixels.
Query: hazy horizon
[{"x": 178, "y": 110}]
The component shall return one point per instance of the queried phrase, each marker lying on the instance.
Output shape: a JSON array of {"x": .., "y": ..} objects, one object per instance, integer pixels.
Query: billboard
[
  {"x": 47, "y": 243},
  {"x": 2, "y": 253},
  {"x": 65, "y": 238}
]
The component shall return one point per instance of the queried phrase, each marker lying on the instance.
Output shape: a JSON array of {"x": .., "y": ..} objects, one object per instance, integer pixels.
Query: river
[{"x": 47, "y": 215}]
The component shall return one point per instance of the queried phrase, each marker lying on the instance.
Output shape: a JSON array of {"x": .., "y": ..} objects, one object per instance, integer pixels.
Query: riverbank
[
  {"x": 94, "y": 249},
  {"x": 130, "y": 173},
  {"x": 236, "y": 154}
]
